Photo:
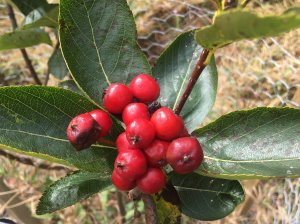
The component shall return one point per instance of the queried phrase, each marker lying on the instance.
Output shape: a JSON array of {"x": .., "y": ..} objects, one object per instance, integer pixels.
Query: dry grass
[{"x": 251, "y": 73}]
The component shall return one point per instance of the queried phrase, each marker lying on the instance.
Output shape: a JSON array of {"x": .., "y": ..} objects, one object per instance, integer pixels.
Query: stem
[
  {"x": 150, "y": 209},
  {"x": 121, "y": 206},
  {"x": 28, "y": 62},
  {"x": 192, "y": 81}
]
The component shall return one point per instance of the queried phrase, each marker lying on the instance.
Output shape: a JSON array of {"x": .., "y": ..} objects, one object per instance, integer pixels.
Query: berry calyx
[
  {"x": 122, "y": 143},
  {"x": 116, "y": 98},
  {"x": 122, "y": 184},
  {"x": 184, "y": 155},
  {"x": 140, "y": 133},
  {"x": 156, "y": 153},
  {"x": 145, "y": 88},
  {"x": 131, "y": 164},
  {"x": 134, "y": 111},
  {"x": 167, "y": 124},
  {"x": 152, "y": 182},
  {"x": 103, "y": 120},
  {"x": 83, "y": 131}
]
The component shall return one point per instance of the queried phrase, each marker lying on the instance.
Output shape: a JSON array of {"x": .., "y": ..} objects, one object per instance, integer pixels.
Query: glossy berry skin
[
  {"x": 185, "y": 155},
  {"x": 131, "y": 164},
  {"x": 152, "y": 182},
  {"x": 156, "y": 153},
  {"x": 135, "y": 111},
  {"x": 122, "y": 184},
  {"x": 104, "y": 121},
  {"x": 168, "y": 125},
  {"x": 117, "y": 97},
  {"x": 184, "y": 132},
  {"x": 122, "y": 143},
  {"x": 83, "y": 131},
  {"x": 140, "y": 133},
  {"x": 145, "y": 88}
]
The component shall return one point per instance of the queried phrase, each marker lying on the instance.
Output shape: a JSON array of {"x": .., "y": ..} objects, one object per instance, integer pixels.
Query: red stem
[{"x": 192, "y": 81}]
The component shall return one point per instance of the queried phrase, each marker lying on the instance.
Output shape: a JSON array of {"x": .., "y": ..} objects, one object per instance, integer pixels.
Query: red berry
[
  {"x": 116, "y": 98},
  {"x": 134, "y": 111},
  {"x": 156, "y": 153},
  {"x": 140, "y": 133},
  {"x": 131, "y": 164},
  {"x": 145, "y": 88},
  {"x": 123, "y": 144},
  {"x": 122, "y": 184},
  {"x": 184, "y": 132},
  {"x": 83, "y": 131},
  {"x": 168, "y": 125},
  {"x": 104, "y": 121},
  {"x": 185, "y": 154},
  {"x": 152, "y": 182}
]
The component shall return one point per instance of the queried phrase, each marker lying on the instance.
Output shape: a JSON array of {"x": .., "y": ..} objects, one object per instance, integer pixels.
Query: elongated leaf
[
  {"x": 71, "y": 189},
  {"x": 98, "y": 40},
  {"x": 70, "y": 85},
  {"x": 34, "y": 121},
  {"x": 207, "y": 198},
  {"x": 26, "y": 6},
  {"x": 173, "y": 69},
  {"x": 238, "y": 24},
  {"x": 43, "y": 16},
  {"x": 258, "y": 143},
  {"x": 23, "y": 38},
  {"x": 57, "y": 65}
]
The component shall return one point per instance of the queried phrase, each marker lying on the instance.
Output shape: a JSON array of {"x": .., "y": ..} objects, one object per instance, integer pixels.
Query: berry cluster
[{"x": 154, "y": 137}]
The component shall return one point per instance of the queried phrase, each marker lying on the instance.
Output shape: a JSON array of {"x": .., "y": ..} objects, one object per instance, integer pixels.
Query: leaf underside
[
  {"x": 239, "y": 24},
  {"x": 23, "y": 39}
]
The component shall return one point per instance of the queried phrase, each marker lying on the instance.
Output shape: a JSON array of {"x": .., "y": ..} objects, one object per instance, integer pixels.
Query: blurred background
[{"x": 251, "y": 73}]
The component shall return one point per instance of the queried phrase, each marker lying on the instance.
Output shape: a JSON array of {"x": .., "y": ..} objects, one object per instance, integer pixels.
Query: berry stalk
[{"x": 192, "y": 81}]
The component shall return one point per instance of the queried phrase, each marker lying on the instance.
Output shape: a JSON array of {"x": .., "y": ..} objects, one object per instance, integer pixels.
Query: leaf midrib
[
  {"x": 96, "y": 47},
  {"x": 52, "y": 138}
]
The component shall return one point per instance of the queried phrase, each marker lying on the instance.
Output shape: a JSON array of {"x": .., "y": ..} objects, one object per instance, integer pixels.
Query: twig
[
  {"x": 192, "y": 81},
  {"x": 28, "y": 62},
  {"x": 121, "y": 206},
  {"x": 150, "y": 209},
  {"x": 30, "y": 162}
]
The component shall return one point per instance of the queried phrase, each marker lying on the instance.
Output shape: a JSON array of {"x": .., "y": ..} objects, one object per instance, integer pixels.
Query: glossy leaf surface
[
  {"x": 98, "y": 40},
  {"x": 257, "y": 143}
]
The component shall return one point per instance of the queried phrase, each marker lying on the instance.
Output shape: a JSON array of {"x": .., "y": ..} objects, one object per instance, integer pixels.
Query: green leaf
[
  {"x": 26, "y": 6},
  {"x": 98, "y": 40},
  {"x": 34, "y": 121},
  {"x": 257, "y": 143},
  {"x": 70, "y": 85},
  {"x": 207, "y": 198},
  {"x": 239, "y": 24},
  {"x": 70, "y": 190},
  {"x": 173, "y": 69},
  {"x": 43, "y": 16},
  {"x": 57, "y": 65},
  {"x": 23, "y": 39}
]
